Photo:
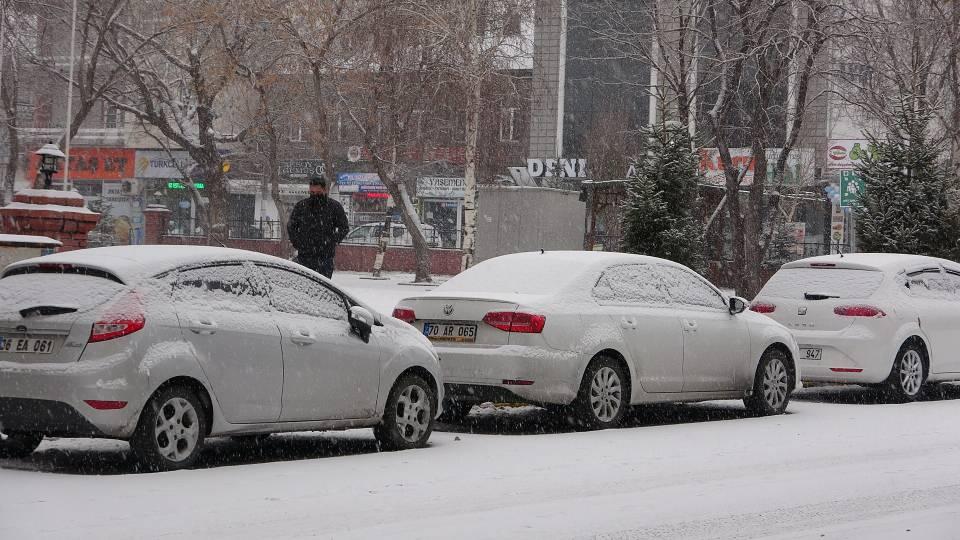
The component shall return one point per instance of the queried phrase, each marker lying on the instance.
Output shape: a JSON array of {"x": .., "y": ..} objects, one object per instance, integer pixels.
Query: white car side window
[
  {"x": 689, "y": 289},
  {"x": 296, "y": 294},
  {"x": 632, "y": 284},
  {"x": 934, "y": 285},
  {"x": 223, "y": 287}
]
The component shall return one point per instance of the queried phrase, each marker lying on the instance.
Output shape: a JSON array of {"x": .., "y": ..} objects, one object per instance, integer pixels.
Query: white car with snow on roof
[
  {"x": 164, "y": 346},
  {"x": 598, "y": 332},
  {"x": 874, "y": 319}
]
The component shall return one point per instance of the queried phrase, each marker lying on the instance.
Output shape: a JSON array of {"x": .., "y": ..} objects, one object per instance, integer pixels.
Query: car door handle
[
  {"x": 203, "y": 326},
  {"x": 629, "y": 323},
  {"x": 303, "y": 338}
]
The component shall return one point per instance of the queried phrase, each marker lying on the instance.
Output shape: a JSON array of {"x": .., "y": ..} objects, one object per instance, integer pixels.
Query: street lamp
[{"x": 49, "y": 154}]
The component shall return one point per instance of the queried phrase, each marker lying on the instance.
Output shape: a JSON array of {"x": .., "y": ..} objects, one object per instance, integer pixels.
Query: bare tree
[
  {"x": 381, "y": 102},
  {"x": 482, "y": 41},
  {"x": 184, "y": 78},
  {"x": 903, "y": 53}
]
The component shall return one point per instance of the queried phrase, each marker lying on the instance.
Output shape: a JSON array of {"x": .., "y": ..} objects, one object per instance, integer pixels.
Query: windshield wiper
[
  {"x": 818, "y": 296},
  {"x": 46, "y": 310}
]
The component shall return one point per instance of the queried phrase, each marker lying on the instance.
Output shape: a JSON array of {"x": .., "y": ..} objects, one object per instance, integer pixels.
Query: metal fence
[{"x": 262, "y": 229}]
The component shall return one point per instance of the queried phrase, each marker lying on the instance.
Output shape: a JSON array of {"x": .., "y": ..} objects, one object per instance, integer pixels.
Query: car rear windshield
[
  {"x": 797, "y": 283},
  {"x": 76, "y": 291},
  {"x": 504, "y": 275}
]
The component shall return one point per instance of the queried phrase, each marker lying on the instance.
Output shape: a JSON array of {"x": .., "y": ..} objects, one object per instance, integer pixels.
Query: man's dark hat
[{"x": 318, "y": 181}]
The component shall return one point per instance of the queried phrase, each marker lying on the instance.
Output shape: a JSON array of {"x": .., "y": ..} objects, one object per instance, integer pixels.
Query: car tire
[
  {"x": 19, "y": 444},
  {"x": 408, "y": 415},
  {"x": 455, "y": 412},
  {"x": 171, "y": 431},
  {"x": 772, "y": 385},
  {"x": 908, "y": 375},
  {"x": 604, "y": 395}
]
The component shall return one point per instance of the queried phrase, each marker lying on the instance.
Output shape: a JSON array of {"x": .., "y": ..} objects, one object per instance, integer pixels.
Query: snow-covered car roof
[
  {"x": 885, "y": 262},
  {"x": 534, "y": 275},
  {"x": 132, "y": 263}
]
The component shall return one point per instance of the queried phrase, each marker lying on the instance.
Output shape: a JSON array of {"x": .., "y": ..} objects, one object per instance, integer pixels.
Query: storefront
[
  {"x": 441, "y": 207},
  {"x": 161, "y": 175},
  {"x": 363, "y": 196}
]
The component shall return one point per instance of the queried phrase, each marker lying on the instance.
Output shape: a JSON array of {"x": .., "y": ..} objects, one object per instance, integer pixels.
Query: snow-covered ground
[{"x": 839, "y": 465}]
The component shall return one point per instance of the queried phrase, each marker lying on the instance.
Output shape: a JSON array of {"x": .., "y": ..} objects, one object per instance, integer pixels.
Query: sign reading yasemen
[{"x": 439, "y": 187}]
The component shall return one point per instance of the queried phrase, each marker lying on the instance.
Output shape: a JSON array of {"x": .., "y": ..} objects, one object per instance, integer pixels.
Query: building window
[
  {"x": 296, "y": 131},
  {"x": 508, "y": 124},
  {"x": 25, "y": 114},
  {"x": 112, "y": 117}
]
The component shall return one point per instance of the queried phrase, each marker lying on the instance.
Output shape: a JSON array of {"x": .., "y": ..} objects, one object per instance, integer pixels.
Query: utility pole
[{"x": 73, "y": 43}]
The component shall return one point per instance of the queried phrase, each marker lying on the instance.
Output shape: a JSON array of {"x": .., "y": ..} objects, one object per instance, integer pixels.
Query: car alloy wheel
[
  {"x": 606, "y": 394},
  {"x": 911, "y": 372},
  {"x": 413, "y": 413},
  {"x": 177, "y": 429},
  {"x": 776, "y": 383}
]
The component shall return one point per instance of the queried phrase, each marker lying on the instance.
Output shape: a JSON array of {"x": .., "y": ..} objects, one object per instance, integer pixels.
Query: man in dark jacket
[{"x": 316, "y": 226}]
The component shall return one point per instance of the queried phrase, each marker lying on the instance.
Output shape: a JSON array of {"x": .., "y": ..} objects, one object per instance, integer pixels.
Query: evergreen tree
[
  {"x": 905, "y": 205},
  {"x": 660, "y": 215}
]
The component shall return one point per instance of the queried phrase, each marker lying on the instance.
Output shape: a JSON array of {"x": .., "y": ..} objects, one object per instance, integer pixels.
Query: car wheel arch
[
  {"x": 618, "y": 357},
  {"x": 200, "y": 389},
  {"x": 791, "y": 363}
]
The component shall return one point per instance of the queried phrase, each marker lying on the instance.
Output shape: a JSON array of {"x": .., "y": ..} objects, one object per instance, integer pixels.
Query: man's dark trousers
[{"x": 321, "y": 266}]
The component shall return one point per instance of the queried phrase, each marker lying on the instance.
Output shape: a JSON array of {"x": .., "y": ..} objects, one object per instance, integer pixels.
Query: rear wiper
[
  {"x": 46, "y": 310},
  {"x": 818, "y": 296}
]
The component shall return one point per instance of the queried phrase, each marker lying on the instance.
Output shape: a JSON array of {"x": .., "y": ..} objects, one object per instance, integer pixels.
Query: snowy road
[
  {"x": 840, "y": 465},
  {"x": 833, "y": 468}
]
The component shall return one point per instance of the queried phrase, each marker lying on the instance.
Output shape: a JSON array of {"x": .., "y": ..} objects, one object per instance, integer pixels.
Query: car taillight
[
  {"x": 404, "y": 314},
  {"x": 859, "y": 311},
  {"x": 516, "y": 321},
  {"x": 763, "y": 308},
  {"x": 122, "y": 318}
]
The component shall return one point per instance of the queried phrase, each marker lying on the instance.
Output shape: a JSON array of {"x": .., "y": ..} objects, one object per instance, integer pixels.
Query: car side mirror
[
  {"x": 361, "y": 322},
  {"x": 737, "y": 305}
]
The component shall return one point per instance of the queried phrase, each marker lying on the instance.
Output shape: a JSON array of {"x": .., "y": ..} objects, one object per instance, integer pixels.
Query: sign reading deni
[{"x": 557, "y": 168}]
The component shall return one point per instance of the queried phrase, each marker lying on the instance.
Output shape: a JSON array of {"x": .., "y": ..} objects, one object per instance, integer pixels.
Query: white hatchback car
[
  {"x": 599, "y": 332},
  {"x": 166, "y": 345},
  {"x": 871, "y": 319}
]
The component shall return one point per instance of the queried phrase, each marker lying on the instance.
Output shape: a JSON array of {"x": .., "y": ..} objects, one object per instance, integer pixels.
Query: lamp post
[{"x": 49, "y": 154}]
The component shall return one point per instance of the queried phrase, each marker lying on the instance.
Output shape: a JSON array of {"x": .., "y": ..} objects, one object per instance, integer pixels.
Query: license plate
[
  {"x": 450, "y": 332},
  {"x": 810, "y": 353},
  {"x": 18, "y": 345}
]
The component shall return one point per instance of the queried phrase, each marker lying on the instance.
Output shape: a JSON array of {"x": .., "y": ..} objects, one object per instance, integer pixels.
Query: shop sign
[
  {"x": 359, "y": 183},
  {"x": 800, "y": 165},
  {"x": 847, "y": 153},
  {"x": 559, "y": 168},
  {"x": 851, "y": 187},
  {"x": 301, "y": 168},
  {"x": 439, "y": 187},
  {"x": 180, "y": 185},
  {"x": 94, "y": 164},
  {"x": 161, "y": 164},
  {"x": 836, "y": 225},
  {"x": 244, "y": 187}
]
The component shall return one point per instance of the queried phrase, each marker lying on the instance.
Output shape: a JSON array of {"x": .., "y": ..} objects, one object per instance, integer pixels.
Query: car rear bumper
[
  {"x": 533, "y": 374},
  {"x": 853, "y": 355},
  {"x": 52, "y": 398}
]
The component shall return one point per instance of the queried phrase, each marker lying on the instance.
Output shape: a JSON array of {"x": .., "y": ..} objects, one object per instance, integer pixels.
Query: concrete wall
[{"x": 516, "y": 219}]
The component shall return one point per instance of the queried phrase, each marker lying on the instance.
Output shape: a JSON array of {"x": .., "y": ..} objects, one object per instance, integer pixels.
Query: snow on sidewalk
[{"x": 841, "y": 470}]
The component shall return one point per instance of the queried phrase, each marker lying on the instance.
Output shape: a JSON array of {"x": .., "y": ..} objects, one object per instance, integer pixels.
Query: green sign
[
  {"x": 179, "y": 185},
  {"x": 851, "y": 186}
]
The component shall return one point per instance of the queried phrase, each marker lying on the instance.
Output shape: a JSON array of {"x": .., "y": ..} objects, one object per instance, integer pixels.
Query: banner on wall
[{"x": 93, "y": 164}]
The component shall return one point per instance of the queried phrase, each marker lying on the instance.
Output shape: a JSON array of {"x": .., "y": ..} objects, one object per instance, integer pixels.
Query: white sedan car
[
  {"x": 871, "y": 319},
  {"x": 597, "y": 332},
  {"x": 164, "y": 346}
]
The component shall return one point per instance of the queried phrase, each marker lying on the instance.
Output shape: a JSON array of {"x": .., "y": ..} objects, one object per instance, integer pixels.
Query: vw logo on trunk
[
  {"x": 448, "y": 309},
  {"x": 22, "y": 329}
]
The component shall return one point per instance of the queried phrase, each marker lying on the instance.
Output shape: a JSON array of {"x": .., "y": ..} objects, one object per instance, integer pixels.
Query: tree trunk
[
  {"x": 8, "y": 95},
  {"x": 470, "y": 178}
]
